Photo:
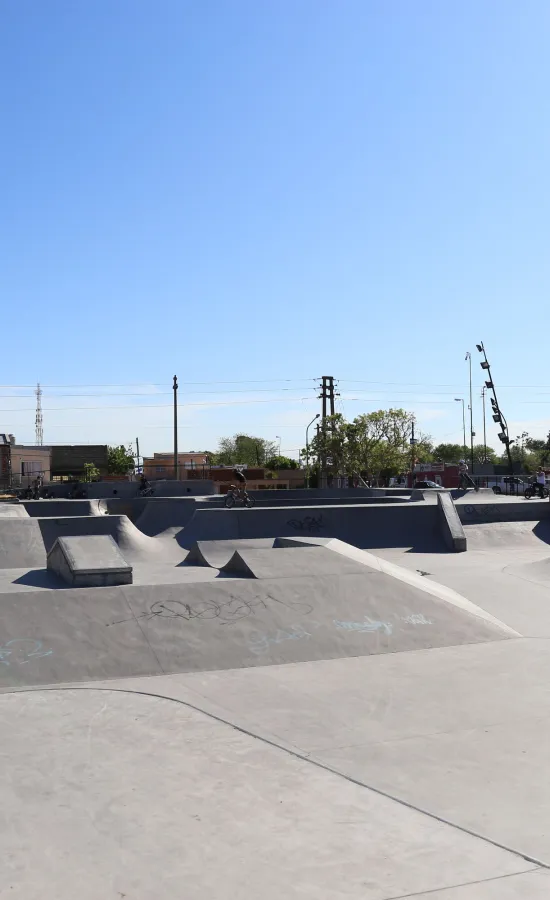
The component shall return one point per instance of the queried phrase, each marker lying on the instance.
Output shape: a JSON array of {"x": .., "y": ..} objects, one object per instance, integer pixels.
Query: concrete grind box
[{"x": 92, "y": 560}]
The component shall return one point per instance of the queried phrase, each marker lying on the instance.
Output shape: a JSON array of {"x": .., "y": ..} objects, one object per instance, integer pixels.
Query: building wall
[
  {"x": 69, "y": 459},
  {"x": 161, "y": 465},
  {"x": 26, "y": 463}
]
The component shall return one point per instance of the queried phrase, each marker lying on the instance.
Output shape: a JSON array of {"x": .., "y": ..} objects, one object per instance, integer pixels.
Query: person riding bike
[
  {"x": 465, "y": 480},
  {"x": 144, "y": 485},
  {"x": 241, "y": 484},
  {"x": 541, "y": 481}
]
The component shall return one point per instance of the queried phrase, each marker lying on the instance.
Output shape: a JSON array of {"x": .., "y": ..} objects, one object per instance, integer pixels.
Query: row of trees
[
  {"x": 373, "y": 444},
  {"x": 379, "y": 444}
]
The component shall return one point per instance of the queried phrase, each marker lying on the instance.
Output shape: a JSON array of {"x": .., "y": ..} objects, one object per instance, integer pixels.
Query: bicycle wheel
[
  {"x": 229, "y": 501},
  {"x": 528, "y": 493},
  {"x": 250, "y": 501}
]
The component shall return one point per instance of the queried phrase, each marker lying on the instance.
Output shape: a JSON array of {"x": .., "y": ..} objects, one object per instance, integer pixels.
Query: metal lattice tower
[{"x": 39, "y": 431}]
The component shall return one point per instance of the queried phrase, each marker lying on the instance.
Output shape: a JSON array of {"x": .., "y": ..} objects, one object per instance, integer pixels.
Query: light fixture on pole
[
  {"x": 307, "y": 447},
  {"x": 277, "y": 438},
  {"x": 497, "y": 413},
  {"x": 461, "y": 400}
]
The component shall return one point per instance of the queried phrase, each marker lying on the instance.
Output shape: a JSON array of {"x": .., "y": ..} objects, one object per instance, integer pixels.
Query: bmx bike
[
  {"x": 234, "y": 496},
  {"x": 533, "y": 490}
]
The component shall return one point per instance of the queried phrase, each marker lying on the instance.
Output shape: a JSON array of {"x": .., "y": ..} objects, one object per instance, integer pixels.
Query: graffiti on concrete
[{"x": 308, "y": 523}]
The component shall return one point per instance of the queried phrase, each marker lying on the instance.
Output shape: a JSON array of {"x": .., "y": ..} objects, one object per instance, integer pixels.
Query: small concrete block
[{"x": 91, "y": 560}]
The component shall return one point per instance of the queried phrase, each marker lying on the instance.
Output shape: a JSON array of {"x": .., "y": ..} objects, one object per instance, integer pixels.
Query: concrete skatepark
[{"x": 329, "y": 695}]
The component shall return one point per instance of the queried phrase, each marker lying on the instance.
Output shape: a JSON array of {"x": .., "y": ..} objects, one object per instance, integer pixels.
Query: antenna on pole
[{"x": 39, "y": 431}]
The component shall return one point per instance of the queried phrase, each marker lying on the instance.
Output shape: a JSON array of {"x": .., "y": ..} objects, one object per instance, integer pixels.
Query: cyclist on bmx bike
[{"x": 238, "y": 492}]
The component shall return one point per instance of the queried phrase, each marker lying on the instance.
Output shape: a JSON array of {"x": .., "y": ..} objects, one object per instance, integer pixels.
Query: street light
[
  {"x": 277, "y": 437},
  {"x": 307, "y": 447},
  {"x": 461, "y": 400}
]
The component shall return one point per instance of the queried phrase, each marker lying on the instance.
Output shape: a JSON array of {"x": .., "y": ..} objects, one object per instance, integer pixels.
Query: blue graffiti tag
[
  {"x": 368, "y": 626},
  {"x": 12, "y": 651}
]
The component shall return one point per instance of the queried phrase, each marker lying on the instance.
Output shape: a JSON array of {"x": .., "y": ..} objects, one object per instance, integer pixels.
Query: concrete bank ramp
[
  {"x": 217, "y": 554},
  {"x": 534, "y": 572},
  {"x": 518, "y": 535},
  {"x": 21, "y": 544},
  {"x": 290, "y": 563},
  {"x": 95, "y": 633},
  {"x": 13, "y": 511},
  {"x": 160, "y": 514},
  {"x": 409, "y": 526}
]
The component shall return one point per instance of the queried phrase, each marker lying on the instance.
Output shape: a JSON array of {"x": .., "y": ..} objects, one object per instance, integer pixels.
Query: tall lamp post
[
  {"x": 497, "y": 414},
  {"x": 307, "y": 447},
  {"x": 461, "y": 400},
  {"x": 277, "y": 437},
  {"x": 471, "y": 408}
]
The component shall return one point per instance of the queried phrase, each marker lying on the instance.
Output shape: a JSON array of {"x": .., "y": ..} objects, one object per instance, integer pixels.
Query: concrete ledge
[
  {"x": 451, "y": 526},
  {"x": 92, "y": 560}
]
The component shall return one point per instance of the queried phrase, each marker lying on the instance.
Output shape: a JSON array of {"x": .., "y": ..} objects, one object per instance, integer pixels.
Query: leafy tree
[
  {"x": 449, "y": 453},
  {"x": 119, "y": 460},
  {"x": 281, "y": 462},
  {"x": 245, "y": 449},
  {"x": 373, "y": 444},
  {"x": 91, "y": 472},
  {"x": 483, "y": 454}
]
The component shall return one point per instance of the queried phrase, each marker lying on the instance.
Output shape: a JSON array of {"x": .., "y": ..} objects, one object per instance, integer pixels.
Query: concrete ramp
[
  {"x": 94, "y": 633},
  {"x": 13, "y": 511},
  {"x": 21, "y": 544},
  {"x": 58, "y": 508},
  {"x": 517, "y": 535},
  {"x": 409, "y": 526},
  {"x": 290, "y": 563},
  {"x": 217, "y": 554},
  {"x": 161, "y": 513},
  {"x": 130, "y": 539}
]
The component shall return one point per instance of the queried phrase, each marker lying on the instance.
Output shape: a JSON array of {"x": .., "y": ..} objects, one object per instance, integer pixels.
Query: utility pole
[
  {"x": 327, "y": 394},
  {"x": 413, "y": 453},
  {"x": 137, "y": 455},
  {"x": 175, "y": 388},
  {"x": 472, "y": 432},
  {"x": 38, "y": 429}
]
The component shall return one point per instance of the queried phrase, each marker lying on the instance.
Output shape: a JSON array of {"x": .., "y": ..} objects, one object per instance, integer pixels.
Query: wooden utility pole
[
  {"x": 176, "y": 427},
  {"x": 137, "y": 455}
]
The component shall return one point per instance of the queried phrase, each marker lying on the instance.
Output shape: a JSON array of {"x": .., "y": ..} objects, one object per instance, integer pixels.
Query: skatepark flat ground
[{"x": 347, "y": 758}]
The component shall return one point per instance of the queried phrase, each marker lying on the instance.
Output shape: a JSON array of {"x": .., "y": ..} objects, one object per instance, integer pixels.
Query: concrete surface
[
  {"x": 133, "y": 796},
  {"x": 378, "y": 734}
]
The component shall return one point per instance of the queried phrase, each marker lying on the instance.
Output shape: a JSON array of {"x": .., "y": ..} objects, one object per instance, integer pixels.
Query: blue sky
[{"x": 254, "y": 194}]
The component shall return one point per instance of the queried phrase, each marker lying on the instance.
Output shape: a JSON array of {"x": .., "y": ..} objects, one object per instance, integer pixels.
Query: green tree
[
  {"x": 119, "y": 460},
  {"x": 91, "y": 472},
  {"x": 376, "y": 443},
  {"x": 245, "y": 449},
  {"x": 483, "y": 454},
  {"x": 281, "y": 462},
  {"x": 449, "y": 453}
]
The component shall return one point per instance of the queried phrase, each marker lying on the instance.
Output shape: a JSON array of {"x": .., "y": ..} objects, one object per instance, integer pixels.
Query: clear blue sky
[{"x": 238, "y": 191}]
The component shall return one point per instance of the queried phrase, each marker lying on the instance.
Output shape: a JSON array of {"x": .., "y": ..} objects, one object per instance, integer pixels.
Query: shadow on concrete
[
  {"x": 42, "y": 578},
  {"x": 542, "y": 531}
]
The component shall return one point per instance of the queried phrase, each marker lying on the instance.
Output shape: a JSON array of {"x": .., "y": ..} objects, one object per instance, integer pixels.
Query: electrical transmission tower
[{"x": 39, "y": 431}]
